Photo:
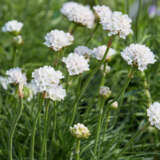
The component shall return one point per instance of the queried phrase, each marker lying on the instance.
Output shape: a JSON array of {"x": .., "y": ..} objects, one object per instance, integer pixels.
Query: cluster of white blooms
[
  {"x": 153, "y": 113},
  {"x": 83, "y": 51},
  {"x": 80, "y": 131},
  {"x": 76, "y": 64},
  {"x": 78, "y": 13},
  {"x": 16, "y": 76},
  {"x": 139, "y": 55},
  {"x": 12, "y": 26},
  {"x": 107, "y": 69},
  {"x": 105, "y": 91},
  {"x": 57, "y": 39},
  {"x": 4, "y": 82},
  {"x": 46, "y": 79},
  {"x": 99, "y": 52}
]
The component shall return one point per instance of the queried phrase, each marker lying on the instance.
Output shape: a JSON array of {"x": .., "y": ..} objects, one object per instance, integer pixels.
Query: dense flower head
[
  {"x": 153, "y": 113},
  {"x": 76, "y": 64},
  {"x": 105, "y": 91},
  {"x": 12, "y": 26},
  {"x": 139, "y": 55},
  {"x": 16, "y": 76},
  {"x": 83, "y": 51},
  {"x": 57, "y": 39},
  {"x": 45, "y": 77},
  {"x": 118, "y": 24},
  {"x": 99, "y": 52},
  {"x": 56, "y": 93},
  {"x": 80, "y": 131},
  {"x": 78, "y": 13},
  {"x": 4, "y": 82}
]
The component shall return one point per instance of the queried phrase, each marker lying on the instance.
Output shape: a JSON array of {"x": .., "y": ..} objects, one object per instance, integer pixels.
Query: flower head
[
  {"x": 18, "y": 39},
  {"x": 83, "y": 51},
  {"x": 78, "y": 13},
  {"x": 4, "y": 82},
  {"x": 80, "y": 131},
  {"x": 12, "y": 26},
  {"x": 76, "y": 64},
  {"x": 57, "y": 39},
  {"x": 105, "y": 91},
  {"x": 139, "y": 55},
  {"x": 153, "y": 113},
  {"x": 107, "y": 69}
]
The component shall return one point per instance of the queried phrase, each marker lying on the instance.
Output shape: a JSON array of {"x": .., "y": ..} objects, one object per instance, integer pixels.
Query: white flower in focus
[
  {"x": 80, "y": 131},
  {"x": 45, "y": 77},
  {"x": 57, "y": 39},
  {"x": 16, "y": 76},
  {"x": 153, "y": 113},
  {"x": 56, "y": 93},
  {"x": 139, "y": 55},
  {"x": 83, "y": 51},
  {"x": 107, "y": 69},
  {"x": 118, "y": 24},
  {"x": 99, "y": 52},
  {"x": 76, "y": 64},
  {"x": 18, "y": 39},
  {"x": 105, "y": 91},
  {"x": 4, "y": 82},
  {"x": 78, "y": 13},
  {"x": 12, "y": 26}
]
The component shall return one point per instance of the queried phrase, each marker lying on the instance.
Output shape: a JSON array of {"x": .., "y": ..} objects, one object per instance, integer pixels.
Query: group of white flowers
[{"x": 47, "y": 80}]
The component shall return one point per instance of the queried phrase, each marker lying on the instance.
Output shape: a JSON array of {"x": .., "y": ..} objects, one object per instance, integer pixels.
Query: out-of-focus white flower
[
  {"x": 80, "y": 131},
  {"x": 76, "y": 64},
  {"x": 45, "y": 77},
  {"x": 56, "y": 93},
  {"x": 83, "y": 51},
  {"x": 78, "y": 13},
  {"x": 57, "y": 39},
  {"x": 16, "y": 76},
  {"x": 12, "y": 26},
  {"x": 105, "y": 91},
  {"x": 118, "y": 24},
  {"x": 114, "y": 105},
  {"x": 107, "y": 69},
  {"x": 18, "y": 39},
  {"x": 153, "y": 113},
  {"x": 138, "y": 55},
  {"x": 99, "y": 52},
  {"x": 4, "y": 82}
]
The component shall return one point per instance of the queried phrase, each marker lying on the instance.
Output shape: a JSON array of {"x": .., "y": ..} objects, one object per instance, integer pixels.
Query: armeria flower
[
  {"x": 153, "y": 113},
  {"x": 118, "y": 24},
  {"x": 4, "y": 82},
  {"x": 76, "y": 64},
  {"x": 46, "y": 76},
  {"x": 99, "y": 52},
  {"x": 16, "y": 76},
  {"x": 18, "y": 39},
  {"x": 114, "y": 105},
  {"x": 12, "y": 26},
  {"x": 83, "y": 51},
  {"x": 139, "y": 55},
  {"x": 57, "y": 39},
  {"x": 78, "y": 13},
  {"x": 56, "y": 93},
  {"x": 105, "y": 91},
  {"x": 80, "y": 131},
  {"x": 107, "y": 69}
]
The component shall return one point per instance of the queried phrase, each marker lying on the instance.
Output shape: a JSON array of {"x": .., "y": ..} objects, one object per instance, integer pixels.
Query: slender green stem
[
  {"x": 78, "y": 150},
  {"x": 14, "y": 58},
  {"x": 55, "y": 122},
  {"x": 13, "y": 128},
  {"x": 44, "y": 141},
  {"x": 96, "y": 2}
]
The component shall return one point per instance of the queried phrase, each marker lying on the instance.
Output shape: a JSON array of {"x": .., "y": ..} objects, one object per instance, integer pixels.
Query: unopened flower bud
[
  {"x": 18, "y": 39},
  {"x": 114, "y": 105},
  {"x": 105, "y": 92}
]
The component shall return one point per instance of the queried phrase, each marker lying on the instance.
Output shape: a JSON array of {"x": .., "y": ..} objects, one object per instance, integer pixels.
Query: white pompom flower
[
  {"x": 46, "y": 76},
  {"x": 4, "y": 82},
  {"x": 78, "y": 13},
  {"x": 138, "y": 55},
  {"x": 12, "y": 26},
  {"x": 83, "y": 51},
  {"x": 80, "y": 131},
  {"x": 105, "y": 91},
  {"x": 57, "y": 39},
  {"x": 76, "y": 64},
  {"x": 153, "y": 113}
]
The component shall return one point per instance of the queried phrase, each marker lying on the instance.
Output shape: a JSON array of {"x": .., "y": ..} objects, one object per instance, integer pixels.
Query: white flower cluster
[
  {"x": 76, "y": 64},
  {"x": 57, "y": 39},
  {"x": 105, "y": 91},
  {"x": 78, "y": 13},
  {"x": 80, "y": 131},
  {"x": 83, "y": 51},
  {"x": 153, "y": 113},
  {"x": 46, "y": 79},
  {"x": 4, "y": 82},
  {"x": 16, "y": 76},
  {"x": 12, "y": 26},
  {"x": 139, "y": 55}
]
